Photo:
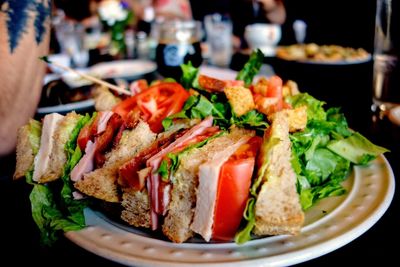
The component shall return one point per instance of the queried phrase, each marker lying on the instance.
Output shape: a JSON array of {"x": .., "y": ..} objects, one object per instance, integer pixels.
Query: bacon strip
[
  {"x": 105, "y": 140},
  {"x": 129, "y": 171},
  {"x": 86, "y": 163}
]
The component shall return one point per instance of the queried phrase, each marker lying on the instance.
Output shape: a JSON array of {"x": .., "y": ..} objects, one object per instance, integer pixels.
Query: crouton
[
  {"x": 290, "y": 88},
  {"x": 241, "y": 99}
]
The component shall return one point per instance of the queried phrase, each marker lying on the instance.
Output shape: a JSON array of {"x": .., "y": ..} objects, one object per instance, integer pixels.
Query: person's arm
[
  {"x": 274, "y": 10},
  {"x": 21, "y": 71},
  {"x": 173, "y": 9}
]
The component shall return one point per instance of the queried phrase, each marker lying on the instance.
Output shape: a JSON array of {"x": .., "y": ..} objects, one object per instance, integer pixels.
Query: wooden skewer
[{"x": 88, "y": 77}]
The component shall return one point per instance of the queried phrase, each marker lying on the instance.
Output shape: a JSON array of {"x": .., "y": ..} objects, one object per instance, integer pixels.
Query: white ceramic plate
[
  {"x": 128, "y": 69},
  {"x": 77, "y": 106},
  {"x": 65, "y": 108},
  {"x": 331, "y": 224}
]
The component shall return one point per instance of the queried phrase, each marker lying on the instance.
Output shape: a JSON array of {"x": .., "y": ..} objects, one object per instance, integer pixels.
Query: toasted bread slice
[
  {"x": 180, "y": 211},
  {"x": 278, "y": 209},
  {"x": 102, "y": 183},
  {"x": 58, "y": 156},
  {"x": 26, "y": 150},
  {"x": 297, "y": 118},
  {"x": 137, "y": 208},
  {"x": 136, "y": 202}
]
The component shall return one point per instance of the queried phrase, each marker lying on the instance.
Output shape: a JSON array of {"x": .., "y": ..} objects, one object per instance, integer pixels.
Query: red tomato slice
[
  {"x": 275, "y": 90},
  {"x": 155, "y": 103},
  {"x": 233, "y": 190},
  {"x": 138, "y": 86}
]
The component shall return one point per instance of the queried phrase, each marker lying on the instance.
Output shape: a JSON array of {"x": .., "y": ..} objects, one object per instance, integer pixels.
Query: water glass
[
  {"x": 219, "y": 39},
  {"x": 386, "y": 72},
  {"x": 71, "y": 37}
]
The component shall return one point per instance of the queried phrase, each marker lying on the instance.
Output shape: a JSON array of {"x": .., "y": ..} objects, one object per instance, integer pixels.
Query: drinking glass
[
  {"x": 386, "y": 72},
  {"x": 71, "y": 38},
  {"x": 178, "y": 43},
  {"x": 219, "y": 38}
]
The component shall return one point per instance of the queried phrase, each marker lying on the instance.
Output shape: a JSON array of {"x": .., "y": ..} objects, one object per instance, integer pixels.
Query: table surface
[{"x": 376, "y": 245}]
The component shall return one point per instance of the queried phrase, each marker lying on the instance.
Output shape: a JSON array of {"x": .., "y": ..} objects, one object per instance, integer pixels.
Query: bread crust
[
  {"x": 24, "y": 153},
  {"x": 102, "y": 183},
  {"x": 136, "y": 208},
  {"x": 278, "y": 209}
]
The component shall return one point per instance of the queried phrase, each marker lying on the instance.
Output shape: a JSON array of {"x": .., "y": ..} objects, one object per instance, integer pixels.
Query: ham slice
[
  {"x": 85, "y": 164},
  {"x": 103, "y": 120},
  {"x": 158, "y": 206},
  {"x": 198, "y": 129},
  {"x": 42, "y": 159},
  {"x": 207, "y": 191}
]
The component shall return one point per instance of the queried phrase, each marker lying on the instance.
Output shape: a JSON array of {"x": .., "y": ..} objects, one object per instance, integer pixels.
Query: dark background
[{"x": 342, "y": 22}]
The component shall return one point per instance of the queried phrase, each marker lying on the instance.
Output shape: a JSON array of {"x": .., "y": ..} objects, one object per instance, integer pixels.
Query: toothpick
[{"x": 88, "y": 77}]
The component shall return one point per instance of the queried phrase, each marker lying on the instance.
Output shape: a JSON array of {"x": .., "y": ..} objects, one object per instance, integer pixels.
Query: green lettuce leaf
[
  {"x": 252, "y": 119},
  {"x": 309, "y": 196},
  {"x": 249, "y": 215},
  {"x": 251, "y": 68},
  {"x": 356, "y": 148},
  {"x": 244, "y": 235},
  {"x": 54, "y": 210},
  {"x": 315, "y": 110},
  {"x": 74, "y": 154},
  {"x": 35, "y": 131},
  {"x": 323, "y": 165},
  {"x": 199, "y": 107},
  {"x": 47, "y": 216},
  {"x": 189, "y": 76}
]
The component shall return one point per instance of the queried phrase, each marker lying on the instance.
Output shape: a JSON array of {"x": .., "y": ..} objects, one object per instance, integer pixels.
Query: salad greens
[
  {"x": 324, "y": 153},
  {"x": 322, "y": 157},
  {"x": 55, "y": 213},
  {"x": 204, "y": 104},
  {"x": 251, "y": 68}
]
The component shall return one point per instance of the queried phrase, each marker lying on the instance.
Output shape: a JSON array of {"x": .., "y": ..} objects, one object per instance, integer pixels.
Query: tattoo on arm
[{"x": 19, "y": 12}]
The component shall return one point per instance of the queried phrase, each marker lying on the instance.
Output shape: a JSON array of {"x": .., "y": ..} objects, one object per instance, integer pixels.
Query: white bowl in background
[{"x": 263, "y": 36}]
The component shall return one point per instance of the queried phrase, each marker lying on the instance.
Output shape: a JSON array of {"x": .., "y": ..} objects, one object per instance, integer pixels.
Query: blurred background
[{"x": 89, "y": 32}]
